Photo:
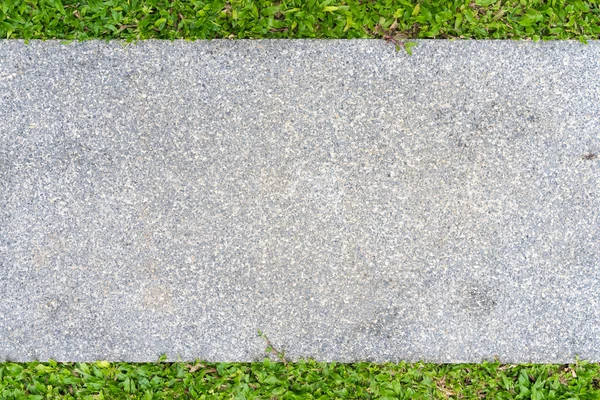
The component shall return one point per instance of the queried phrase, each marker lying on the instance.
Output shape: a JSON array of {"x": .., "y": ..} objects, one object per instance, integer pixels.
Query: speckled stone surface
[{"x": 352, "y": 202}]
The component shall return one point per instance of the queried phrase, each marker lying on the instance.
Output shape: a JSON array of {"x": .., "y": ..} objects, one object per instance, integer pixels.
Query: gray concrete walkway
[{"x": 352, "y": 202}]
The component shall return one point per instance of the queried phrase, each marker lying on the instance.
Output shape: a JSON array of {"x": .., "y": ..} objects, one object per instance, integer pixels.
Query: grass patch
[
  {"x": 301, "y": 380},
  {"x": 209, "y": 19}
]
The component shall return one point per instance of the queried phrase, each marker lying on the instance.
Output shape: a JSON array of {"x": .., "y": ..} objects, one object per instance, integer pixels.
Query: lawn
[
  {"x": 395, "y": 20},
  {"x": 301, "y": 380}
]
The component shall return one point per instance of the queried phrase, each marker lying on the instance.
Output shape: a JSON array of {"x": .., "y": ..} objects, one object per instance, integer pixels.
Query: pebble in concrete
[{"x": 350, "y": 201}]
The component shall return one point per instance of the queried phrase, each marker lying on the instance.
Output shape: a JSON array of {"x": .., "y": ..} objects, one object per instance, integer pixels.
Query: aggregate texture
[{"x": 350, "y": 201}]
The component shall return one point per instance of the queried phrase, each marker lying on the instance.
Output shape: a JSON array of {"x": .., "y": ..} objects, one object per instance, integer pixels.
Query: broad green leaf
[{"x": 416, "y": 10}]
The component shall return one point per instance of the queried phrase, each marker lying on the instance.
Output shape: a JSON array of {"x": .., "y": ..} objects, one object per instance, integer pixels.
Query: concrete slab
[{"x": 352, "y": 202}]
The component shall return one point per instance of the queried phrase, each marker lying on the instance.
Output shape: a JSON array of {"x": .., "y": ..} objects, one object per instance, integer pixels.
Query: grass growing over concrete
[
  {"x": 301, "y": 380},
  {"x": 206, "y": 19}
]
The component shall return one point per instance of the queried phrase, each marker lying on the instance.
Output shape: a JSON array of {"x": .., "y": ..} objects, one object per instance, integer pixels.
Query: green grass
[
  {"x": 395, "y": 20},
  {"x": 197, "y": 19},
  {"x": 302, "y": 380}
]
